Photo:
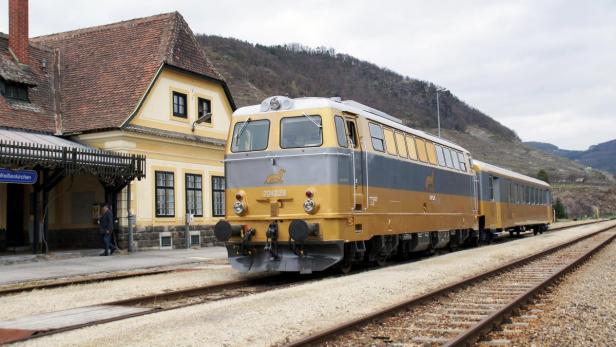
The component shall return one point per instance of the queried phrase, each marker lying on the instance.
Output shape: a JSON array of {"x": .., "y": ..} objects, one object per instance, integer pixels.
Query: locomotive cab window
[
  {"x": 250, "y": 136},
  {"x": 376, "y": 132},
  {"x": 341, "y": 132},
  {"x": 352, "y": 133},
  {"x": 302, "y": 131}
]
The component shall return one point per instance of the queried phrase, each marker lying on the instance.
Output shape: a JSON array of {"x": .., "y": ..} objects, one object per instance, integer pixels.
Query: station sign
[{"x": 18, "y": 176}]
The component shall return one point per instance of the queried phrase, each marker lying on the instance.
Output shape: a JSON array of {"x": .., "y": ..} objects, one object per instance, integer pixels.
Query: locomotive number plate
[{"x": 277, "y": 193}]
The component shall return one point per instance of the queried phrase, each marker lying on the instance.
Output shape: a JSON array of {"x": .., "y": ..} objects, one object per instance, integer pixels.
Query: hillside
[
  {"x": 255, "y": 72},
  {"x": 600, "y": 157}
]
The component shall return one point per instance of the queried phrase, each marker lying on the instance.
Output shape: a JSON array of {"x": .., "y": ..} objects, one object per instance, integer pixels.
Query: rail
[{"x": 476, "y": 330}]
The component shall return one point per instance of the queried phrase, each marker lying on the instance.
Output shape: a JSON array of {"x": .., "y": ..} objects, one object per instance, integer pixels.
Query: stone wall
[
  {"x": 145, "y": 238},
  {"x": 149, "y": 237}
]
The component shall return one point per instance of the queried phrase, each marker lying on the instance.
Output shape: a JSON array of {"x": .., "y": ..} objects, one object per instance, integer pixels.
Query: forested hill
[
  {"x": 601, "y": 156},
  {"x": 255, "y": 72}
]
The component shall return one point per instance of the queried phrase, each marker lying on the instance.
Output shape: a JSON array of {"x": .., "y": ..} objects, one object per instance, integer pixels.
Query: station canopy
[{"x": 28, "y": 150}]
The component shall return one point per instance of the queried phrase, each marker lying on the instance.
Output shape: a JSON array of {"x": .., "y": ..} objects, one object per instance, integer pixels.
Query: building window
[
  {"x": 16, "y": 91},
  {"x": 165, "y": 198},
  {"x": 179, "y": 105},
  {"x": 218, "y": 196},
  {"x": 194, "y": 195},
  {"x": 204, "y": 106}
]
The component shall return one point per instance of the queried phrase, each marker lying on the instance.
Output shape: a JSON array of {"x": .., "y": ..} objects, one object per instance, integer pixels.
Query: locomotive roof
[
  {"x": 489, "y": 168},
  {"x": 352, "y": 107}
]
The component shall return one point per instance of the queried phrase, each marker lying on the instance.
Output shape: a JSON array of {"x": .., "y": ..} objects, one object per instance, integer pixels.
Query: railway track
[
  {"x": 9, "y": 289},
  {"x": 461, "y": 313},
  {"x": 55, "y": 322},
  {"x": 26, "y": 328},
  {"x": 87, "y": 279}
]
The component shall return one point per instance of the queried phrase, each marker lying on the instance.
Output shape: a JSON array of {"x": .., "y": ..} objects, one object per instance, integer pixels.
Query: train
[{"x": 320, "y": 183}]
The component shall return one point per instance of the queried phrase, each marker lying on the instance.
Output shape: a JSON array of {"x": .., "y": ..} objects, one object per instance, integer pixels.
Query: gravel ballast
[
  {"x": 49, "y": 300},
  {"x": 580, "y": 310},
  {"x": 277, "y": 316}
]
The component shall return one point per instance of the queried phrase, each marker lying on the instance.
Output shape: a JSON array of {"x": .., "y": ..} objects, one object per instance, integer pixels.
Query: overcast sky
[{"x": 546, "y": 69}]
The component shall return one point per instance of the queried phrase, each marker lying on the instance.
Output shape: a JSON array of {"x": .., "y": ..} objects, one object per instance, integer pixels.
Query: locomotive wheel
[
  {"x": 381, "y": 260},
  {"x": 346, "y": 266}
]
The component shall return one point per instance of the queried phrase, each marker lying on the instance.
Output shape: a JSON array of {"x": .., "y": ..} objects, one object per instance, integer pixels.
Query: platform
[{"x": 64, "y": 265}]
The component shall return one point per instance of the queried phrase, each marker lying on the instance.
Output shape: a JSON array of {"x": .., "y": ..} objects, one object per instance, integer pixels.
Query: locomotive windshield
[
  {"x": 250, "y": 135},
  {"x": 302, "y": 131}
]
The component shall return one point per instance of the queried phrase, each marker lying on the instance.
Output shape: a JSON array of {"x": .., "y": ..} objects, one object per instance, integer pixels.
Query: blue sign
[{"x": 18, "y": 176}]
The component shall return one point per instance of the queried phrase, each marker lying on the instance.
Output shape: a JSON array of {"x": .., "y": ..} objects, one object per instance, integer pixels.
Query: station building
[{"x": 130, "y": 113}]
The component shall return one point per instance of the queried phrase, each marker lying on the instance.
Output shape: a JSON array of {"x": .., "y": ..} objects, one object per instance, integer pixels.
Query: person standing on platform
[{"x": 106, "y": 229}]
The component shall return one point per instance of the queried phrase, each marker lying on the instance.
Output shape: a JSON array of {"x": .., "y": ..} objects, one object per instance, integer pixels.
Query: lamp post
[{"x": 438, "y": 110}]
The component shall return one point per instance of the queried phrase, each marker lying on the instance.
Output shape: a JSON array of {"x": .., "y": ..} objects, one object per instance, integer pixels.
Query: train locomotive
[{"x": 316, "y": 183}]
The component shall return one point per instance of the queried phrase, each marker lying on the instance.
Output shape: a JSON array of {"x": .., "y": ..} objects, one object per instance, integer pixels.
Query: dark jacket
[{"x": 106, "y": 222}]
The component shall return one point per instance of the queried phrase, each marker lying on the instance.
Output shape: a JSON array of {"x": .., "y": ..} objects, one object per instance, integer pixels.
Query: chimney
[{"x": 18, "y": 29}]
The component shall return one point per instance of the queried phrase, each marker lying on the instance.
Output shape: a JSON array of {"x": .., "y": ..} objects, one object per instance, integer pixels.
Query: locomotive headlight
[
  {"x": 239, "y": 208},
  {"x": 310, "y": 206}
]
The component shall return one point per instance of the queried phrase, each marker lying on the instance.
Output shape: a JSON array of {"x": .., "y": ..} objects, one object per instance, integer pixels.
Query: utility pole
[
  {"x": 438, "y": 115},
  {"x": 438, "y": 110}
]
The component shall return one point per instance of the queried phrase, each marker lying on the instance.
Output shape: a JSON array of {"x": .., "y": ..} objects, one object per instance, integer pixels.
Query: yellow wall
[
  {"x": 166, "y": 154},
  {"x": 156, "y": 110}
]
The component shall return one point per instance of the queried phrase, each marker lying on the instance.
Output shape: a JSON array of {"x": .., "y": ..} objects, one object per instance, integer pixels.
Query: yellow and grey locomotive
[{"x": 317, "y": 182}]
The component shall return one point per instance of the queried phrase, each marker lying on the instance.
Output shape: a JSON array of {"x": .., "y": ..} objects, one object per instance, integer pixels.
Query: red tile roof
[
  {"x": 104, "y": 71},
  {"x": 38, "y": 114}
]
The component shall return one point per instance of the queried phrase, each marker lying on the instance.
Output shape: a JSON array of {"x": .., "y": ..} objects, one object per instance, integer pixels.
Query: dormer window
[{"x": 15, "y": 91}]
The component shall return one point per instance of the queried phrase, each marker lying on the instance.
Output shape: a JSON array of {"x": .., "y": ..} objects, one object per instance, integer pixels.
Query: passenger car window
[
  {"x": 421, "y": 149},
  {"x": 340, "y": 132},
  {"x": 410, "y": 145},
  {"x": 301, "y": 131},
  {"x": 376, "y": 132},
  {"x": 440, "y": 155},
  {"x": 520, "y": 194},
  {"x": 250, "y": 135},
  {"x": 491, "y": 188},
  {"x": 390, "y": 143},
  {"x": 401, "y": 145}
]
